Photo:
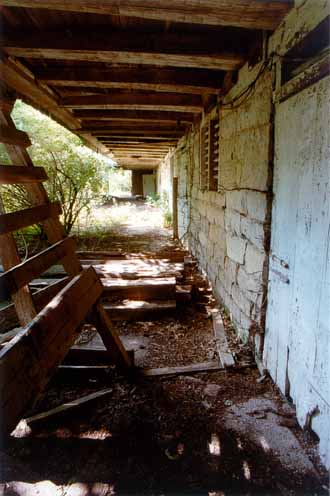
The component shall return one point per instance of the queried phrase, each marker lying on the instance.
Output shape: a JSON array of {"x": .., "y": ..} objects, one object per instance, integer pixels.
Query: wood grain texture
[
  {"x": 28, "y": 217},
  {"x": 253, "y": 14},
  {"x": 28, "y": 362},
  {"x": 12, "y": 136},
  {"x": 15, "y": 174}
]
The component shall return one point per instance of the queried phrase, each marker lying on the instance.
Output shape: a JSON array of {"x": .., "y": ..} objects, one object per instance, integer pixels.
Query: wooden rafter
[
  {"x": 134, "y": 115},
  {"x": 253, "y": 14},
  {"x": 168, "y": 79},
  {"x": 137, "y": 101},
  {"x": 161, "y": 49}
]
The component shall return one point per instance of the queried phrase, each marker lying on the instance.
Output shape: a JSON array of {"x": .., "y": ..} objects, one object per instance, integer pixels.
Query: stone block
[
  {"x": 256, "y": 203},
  {"x": 254, "y": 260},
  {"x": 253, "y": 231},
  {"x": 232, "y": 222},
  {"x": 252, "y": 149},
  {"x": 249, "y": 282},
  {"x": 236, "y": 247},
  {"x": 240, "y": 299},
  {"x": 236, "y": 200}
]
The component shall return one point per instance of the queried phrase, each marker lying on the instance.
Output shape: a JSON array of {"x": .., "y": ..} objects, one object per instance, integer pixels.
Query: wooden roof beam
[
  {"x": 137, "y": 101},
  {"x": 149, "y": 79},
  {"x": 252, "y": 14},
  {"x": 226, "y": 51},
  {"x": 134, "y": 115}
]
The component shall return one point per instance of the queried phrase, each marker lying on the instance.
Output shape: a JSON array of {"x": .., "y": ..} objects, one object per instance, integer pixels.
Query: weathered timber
[
  {"x": 169, "y": 49},
  {"x": 226, "y": 358},
  {"x": 139, "y": 310},
  {"x": 24, "y": 218},
  {"x": 37, "y": 193},
  {"x": 196, "y": 81},
  {"x": 140, "y": 289},
  {"x": 20, "y": 275},
  {"x": 133, "y": 115},
  {"x": 65, "y": 407},
  {"x": 7, "y": 336},
  {"x": 110, "y": 337},
  {"x": 15, "y": 174},
  {"x": 28, "y": 362},
  {"x": 183, "y": 293},
  {"x": 80, "y": 355},
  {"x": 8, "y": 314},
  {"x": 40, "y": 97},
  {"x": 9, "y": 256},
  {"x": 137, "y": 101},
  {"x": 101, "y": 254},
  {"x": 255, "y": 14},
  {"x": 184, "y": 369},
  {"x": 175, "y": 207},
  {"x": 12, "y": 136}
]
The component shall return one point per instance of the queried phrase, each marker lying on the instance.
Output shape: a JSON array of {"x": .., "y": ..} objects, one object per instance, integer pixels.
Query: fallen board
[
  {"x": 28, "y": 362},
  {"x": 184, "y": 369},
  {"x": 226, "y": 358},
  {"x": 67, "y": 406},
  {"x": 140, "y": 289}
]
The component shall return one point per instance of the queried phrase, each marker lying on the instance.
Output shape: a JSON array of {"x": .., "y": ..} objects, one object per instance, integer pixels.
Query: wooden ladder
[{"x": 28, "y": 361}]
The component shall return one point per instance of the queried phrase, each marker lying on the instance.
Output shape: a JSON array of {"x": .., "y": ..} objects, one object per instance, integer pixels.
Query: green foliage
[
  {"x": 78, "y": 176},
  {"x": 162, "y": 202}
]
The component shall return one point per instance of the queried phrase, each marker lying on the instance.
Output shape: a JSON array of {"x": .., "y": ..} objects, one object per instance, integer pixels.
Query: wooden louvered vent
[{"x": 209, "y": 161}]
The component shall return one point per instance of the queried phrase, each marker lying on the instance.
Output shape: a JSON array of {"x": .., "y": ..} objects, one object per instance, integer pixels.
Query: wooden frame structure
[{"x": 31, "y": 356}]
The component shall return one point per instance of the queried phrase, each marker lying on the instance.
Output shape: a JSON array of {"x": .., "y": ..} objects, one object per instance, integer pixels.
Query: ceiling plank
[
  {"x": 223, "y": 51},
  {"x": 137, "y": 101},
  {"x": 133, "y": 115},
  {"x": 253, "y": 14},
  {"x": 150, "y": 79}
]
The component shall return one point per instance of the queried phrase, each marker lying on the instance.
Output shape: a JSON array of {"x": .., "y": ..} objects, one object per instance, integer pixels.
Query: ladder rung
[
  {"x": 28, "y": 217},
  {"x": 12, "y": 136},
  {"x": 15, "y": 174}
]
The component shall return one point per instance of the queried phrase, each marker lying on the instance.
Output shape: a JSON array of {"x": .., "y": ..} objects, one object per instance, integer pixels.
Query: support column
[{"x": 175, "y": 208}]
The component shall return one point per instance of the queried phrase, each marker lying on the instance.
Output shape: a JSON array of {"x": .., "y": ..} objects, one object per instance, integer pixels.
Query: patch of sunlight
[
  {"x": 246, "y": 470},
  {"x": 22, "y": 429},
  {"x": 216, "y": 493},
  {"x": 214, "y": 445},
  {"x": 44, "y": 488},
  {"x": 239, "y": 444},
  {"x": 264, "y": 444}
]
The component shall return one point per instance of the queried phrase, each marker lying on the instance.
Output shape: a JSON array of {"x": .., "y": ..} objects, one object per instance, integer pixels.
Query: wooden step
[
  {"x": 28, "y": 217},
  {"x": 140, "y": 289},
  {"x": 139, "y": 310},
  {"x": 12, "y": 136},
  {"x": 15, "y": 174}
]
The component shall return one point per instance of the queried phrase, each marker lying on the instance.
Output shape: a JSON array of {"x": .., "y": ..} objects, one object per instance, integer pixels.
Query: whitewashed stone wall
[{"x": 227, "y": 228}]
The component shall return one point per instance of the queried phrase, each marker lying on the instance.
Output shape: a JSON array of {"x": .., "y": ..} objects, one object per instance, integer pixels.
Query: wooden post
[{"x": 175, "y": 208}]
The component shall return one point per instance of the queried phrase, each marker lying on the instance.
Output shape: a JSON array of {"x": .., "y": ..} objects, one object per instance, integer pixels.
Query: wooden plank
[
  {"x": 101, "y": 254},
  {"x": 20, "y": 275},
  {"x": 12, "y": 136},
  {"x": 136, "y": 101},
  {"x": 8, "y": 314},
  {"x": 170, "y": 49},
  {"x": 184, "y": 369},
  {"x": 65, "y": 407},
  {"x": 24, "y": 218},
  {"x": 226, "y": 358},
  {"x": 175, "y": 207},
  {"x": 15, "y": 174},
  {"x": 110, "y": 337},
  {"x": 255, "y": 14},
  {"x": 9, "y": 256},
  {"x": 37, "y": 193},
  {"x": 139, "y": 310},
  {"x": 23, "y": 82},
  {"x": 150, "y": 79},
  {"x": 28, "y": 362},
  {"x": 140, "y": 289},
  {"x": 134, "y": 115}
]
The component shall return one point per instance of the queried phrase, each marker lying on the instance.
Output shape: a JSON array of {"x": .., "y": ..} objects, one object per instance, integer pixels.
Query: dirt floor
[{"x": 215, "y": 434}]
